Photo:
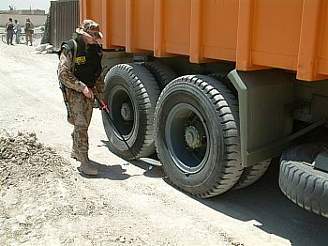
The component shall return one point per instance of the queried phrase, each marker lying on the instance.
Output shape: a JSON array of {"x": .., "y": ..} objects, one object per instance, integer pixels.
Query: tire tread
[
  {"x": 305, "y": 186},
  {"x": 221, "y": 99}
]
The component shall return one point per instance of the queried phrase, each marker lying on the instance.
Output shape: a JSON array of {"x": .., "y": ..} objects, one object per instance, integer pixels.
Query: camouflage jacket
[{"x": 66, "y": 76}]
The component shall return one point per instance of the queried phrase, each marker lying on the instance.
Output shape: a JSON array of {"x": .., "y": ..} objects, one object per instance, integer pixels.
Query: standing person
[
  {"x": 18, "y": 31},
  {"x": 29, "y": 30},
  {"x": 10, "y": 31},
  {"x": 79, "y": 73}
]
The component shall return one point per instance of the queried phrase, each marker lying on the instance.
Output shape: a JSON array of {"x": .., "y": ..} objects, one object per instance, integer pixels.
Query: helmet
[{"x": 90, "y": 28}]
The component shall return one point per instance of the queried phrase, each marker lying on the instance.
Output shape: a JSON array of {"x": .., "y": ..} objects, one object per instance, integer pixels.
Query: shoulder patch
[{"x": 80, "y": 60}]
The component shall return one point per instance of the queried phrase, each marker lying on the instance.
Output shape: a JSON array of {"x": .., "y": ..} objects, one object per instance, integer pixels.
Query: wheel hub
[
  {"x": 126, "y": 112},
  {"x": 192, "y": 137}
]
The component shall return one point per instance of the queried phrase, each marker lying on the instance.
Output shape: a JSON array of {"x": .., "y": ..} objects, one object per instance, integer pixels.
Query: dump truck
[{"x": 218, "y": 89}]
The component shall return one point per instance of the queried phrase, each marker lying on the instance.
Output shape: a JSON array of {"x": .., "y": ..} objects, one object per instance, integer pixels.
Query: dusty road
[{"x": 129, "y": 204}]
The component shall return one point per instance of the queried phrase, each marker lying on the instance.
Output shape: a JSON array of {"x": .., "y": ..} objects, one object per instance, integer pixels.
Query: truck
[{"x": 218, "y": 88}]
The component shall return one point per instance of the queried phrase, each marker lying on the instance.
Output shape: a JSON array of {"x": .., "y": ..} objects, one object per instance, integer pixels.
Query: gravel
[
  {"x": 43, "y": 200},
  {"x": 23, "y": 158},
  {"x": 39, "y": 190}
]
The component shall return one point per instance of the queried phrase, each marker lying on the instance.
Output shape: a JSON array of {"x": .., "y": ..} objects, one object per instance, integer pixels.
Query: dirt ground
[{"x": 44, "y": 201}]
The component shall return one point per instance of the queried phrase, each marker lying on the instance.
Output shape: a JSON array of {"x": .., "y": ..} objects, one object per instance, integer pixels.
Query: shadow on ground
[
  {"x": 151, "y": 166},
  {"x": 264, "y": 204},
  {"x": 115, "y": 172},
  {"x": 272, "y": 211}
]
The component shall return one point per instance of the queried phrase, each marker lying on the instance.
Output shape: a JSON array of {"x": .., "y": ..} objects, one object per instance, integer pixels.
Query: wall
[
  {"x": 64, "y": 19},
  {"x": 37, "y": 20},
  {"x": 24, "y": 12}
]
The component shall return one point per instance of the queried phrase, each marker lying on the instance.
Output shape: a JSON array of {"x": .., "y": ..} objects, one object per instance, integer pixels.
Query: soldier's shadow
[
  {"x": 151, "y": 166},
  {"x": 115, "y": 172}
]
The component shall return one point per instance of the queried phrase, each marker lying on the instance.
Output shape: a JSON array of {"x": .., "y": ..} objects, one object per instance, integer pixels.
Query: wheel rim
[
  {"x": 123, "y": 111},
  {"x": 187, "y": 138}
]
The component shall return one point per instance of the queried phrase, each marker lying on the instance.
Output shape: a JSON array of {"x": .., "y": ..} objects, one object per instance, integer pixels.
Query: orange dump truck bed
[{"x": 255, "y": 34}]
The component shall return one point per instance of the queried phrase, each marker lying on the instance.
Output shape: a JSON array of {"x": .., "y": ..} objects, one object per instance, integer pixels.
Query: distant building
[
  {"x": 24, "y": 12},
  {"x": 37, "y": 16}
]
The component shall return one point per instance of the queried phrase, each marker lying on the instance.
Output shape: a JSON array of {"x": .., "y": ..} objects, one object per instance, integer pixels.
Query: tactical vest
[{"x": 87, "y": 61}]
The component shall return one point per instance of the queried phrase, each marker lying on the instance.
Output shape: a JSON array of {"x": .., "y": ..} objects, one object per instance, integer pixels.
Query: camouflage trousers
[
  {"x": 29, "y": 38},
  {"x": 79, "y": 115}
]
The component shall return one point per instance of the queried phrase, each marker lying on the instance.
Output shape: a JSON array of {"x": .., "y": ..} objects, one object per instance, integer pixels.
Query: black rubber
[
  {"x": 300, "y": 182},
  {"x": 163, "y": 73},
  {"x": 219, "y": 108},
  {"x": 252, "y": 174},
  {"x": 137, "y": 84}
]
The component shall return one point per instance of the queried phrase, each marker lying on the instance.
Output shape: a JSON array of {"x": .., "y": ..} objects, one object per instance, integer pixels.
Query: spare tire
[
  {"x": 300, "y": 182},
  {"x": 131, "y": 92},
  {"x": 197, "y": 135},
  {"x": 162, "y": 73}
]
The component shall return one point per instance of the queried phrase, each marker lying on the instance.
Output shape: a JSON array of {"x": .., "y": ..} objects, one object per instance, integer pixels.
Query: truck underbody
[{"x": 215, "y": 128}]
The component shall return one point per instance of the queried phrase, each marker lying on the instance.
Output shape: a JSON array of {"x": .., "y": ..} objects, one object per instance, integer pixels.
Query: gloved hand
[
  {"x": 88, "y": 92},
  {"x": 103, "y": 105}
]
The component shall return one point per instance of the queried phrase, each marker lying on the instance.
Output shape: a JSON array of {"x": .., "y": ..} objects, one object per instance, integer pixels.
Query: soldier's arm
[
  {"x": 99, "y": 88},
  {"x": 100, "y": 84},
  {"x": 65, "y": 74}
]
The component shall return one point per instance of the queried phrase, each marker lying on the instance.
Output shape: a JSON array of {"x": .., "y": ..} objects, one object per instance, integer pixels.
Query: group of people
[{"x": 14, "y": 28}]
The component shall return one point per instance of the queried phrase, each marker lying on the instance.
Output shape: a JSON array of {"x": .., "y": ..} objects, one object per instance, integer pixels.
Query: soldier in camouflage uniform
[{"x": 80, "y": 74}]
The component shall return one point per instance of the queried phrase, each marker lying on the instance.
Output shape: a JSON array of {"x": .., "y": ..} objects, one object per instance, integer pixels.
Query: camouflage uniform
[
  {"x": 79, "y": 106},
  {"x": 29, "y": 31}
]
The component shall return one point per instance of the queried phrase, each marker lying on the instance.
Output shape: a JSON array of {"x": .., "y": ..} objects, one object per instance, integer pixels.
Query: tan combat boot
[{"x": 86, "y": 167}]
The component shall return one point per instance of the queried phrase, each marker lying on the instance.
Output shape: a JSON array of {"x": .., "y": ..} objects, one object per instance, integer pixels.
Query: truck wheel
[
  {"x": 131, "y": 92},
  {"x": 252, "y": 174},
  {"x": 161, "y": 72},
  {"x": 300, "y": 182},
  {"x": 197, "y": 135}
]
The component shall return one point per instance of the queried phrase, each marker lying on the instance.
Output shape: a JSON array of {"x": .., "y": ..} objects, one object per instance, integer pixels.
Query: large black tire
[
  {"x": 163, "y": 74},
  {"x": 300, "y": 182},
  {"x": 252, "y": 174},
  {"x": 131, "y": 92},
  {"x": 201, "y": 107}
]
